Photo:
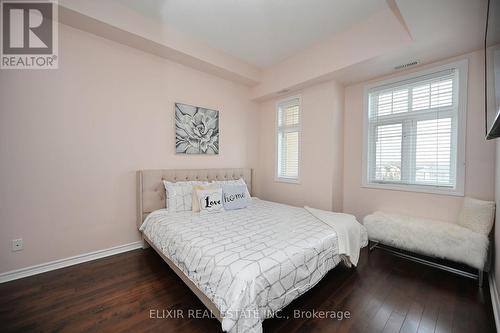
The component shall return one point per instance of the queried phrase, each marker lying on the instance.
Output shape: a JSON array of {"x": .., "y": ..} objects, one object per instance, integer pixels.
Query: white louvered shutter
[
  {"x": 412, "y": 131},
  {"x": 288, "y": 140}
]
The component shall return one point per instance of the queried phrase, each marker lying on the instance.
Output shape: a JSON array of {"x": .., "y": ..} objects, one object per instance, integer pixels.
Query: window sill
[
  {"x": 415, "y": 188},
  {"x": 287, "y": 180}
]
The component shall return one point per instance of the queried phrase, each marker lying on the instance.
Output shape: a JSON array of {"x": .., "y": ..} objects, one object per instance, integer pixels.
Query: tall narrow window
[
  {"x": 415, "y": 132},
  {"x": 288, "y": 140}
]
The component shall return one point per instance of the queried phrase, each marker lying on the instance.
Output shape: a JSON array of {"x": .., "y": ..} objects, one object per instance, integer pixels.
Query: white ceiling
[
  {"x": 260, "y": 32},
  {"x": 321, "y": 46}
]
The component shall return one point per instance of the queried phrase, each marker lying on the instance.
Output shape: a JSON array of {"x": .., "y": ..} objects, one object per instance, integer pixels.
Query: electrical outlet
[{"x": 17, "y": 244}]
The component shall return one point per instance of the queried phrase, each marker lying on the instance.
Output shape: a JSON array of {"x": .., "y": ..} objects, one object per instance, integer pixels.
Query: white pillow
[
  {"x": 477, "y": 215},
  {"x": 179, "y": 195},
  {"x": 196, "y": 203},
  {"x": 240, "y": 181},
  {"x": 210, "y": 200}
]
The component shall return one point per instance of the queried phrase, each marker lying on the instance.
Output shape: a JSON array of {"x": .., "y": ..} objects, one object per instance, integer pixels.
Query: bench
[{"x": 464, "y": 242}]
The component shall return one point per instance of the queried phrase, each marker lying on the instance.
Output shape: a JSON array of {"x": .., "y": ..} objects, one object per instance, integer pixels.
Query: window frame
[
  {"x": 462, "y": 78},
  {"x": 277, "y": 177}
]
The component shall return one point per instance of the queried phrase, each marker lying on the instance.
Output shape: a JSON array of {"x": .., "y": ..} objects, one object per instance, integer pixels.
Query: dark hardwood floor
[{"x": 384, "y": 294}]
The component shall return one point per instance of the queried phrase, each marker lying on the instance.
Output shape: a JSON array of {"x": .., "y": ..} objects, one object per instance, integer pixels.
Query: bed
[{"x": 246, "y": 264}]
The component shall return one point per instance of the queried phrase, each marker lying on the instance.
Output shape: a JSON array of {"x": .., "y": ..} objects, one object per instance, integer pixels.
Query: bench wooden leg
[
  {"x": 480, "y": 278},
  {"x": 371, "y": 246}
]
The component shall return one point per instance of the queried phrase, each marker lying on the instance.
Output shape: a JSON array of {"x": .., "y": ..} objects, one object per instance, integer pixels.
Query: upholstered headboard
[{"x": 151, "y": 192}]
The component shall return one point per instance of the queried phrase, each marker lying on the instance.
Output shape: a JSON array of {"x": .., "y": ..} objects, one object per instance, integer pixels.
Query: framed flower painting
[{"x": 196, "y": 130}]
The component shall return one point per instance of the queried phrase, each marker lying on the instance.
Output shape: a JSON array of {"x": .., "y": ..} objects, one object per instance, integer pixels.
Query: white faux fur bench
[{"x": 464, "y": 242}]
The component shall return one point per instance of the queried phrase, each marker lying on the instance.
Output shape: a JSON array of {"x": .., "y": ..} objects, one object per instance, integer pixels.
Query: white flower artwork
[{"x": 196, "y": 130}]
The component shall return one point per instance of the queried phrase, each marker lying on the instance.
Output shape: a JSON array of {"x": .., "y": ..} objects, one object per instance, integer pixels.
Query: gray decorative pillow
[
  {"x": 235, "y": 196},
  {"x": 240, "y": 181}
]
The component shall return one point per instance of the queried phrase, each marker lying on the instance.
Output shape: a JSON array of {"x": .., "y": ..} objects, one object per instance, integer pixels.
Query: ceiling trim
[
  {"x": 367, "y": 49},
  {"x": 118, "y": 23},
  {"x": 379, "y": 34},
  {"x": 86, "y": 23}
]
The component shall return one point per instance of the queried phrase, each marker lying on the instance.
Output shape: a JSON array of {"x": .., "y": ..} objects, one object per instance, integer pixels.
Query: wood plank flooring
[{"x": 116, "y": 294}]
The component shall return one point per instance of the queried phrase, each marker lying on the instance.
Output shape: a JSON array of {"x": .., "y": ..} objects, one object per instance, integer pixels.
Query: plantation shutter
[
  {"x": 288, "y": 131},
  {"x": 412, "y": 131}
]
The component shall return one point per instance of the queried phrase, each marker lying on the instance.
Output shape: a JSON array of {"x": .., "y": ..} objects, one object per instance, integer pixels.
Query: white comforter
[{"x": 250, "y": 262}]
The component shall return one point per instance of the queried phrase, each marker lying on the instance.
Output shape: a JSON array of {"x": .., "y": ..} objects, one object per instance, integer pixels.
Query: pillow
[
  {"x": 234, "y": 196},
  {"x": 196, "y": 204},
  {"x": 210, "y": 200},
  {"x": 477, "y": 215},
  {"x": 240, "y": 181},
  {"x": 179, "y": 195}
]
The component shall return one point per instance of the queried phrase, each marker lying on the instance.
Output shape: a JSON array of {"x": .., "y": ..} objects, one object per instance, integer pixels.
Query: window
[
  {"x": 288, "y": 140},
  {"x": 415, "y": 132}
]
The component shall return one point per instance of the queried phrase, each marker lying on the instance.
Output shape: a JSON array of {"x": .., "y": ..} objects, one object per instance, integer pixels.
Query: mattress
[{"x": 250, "y": 262}]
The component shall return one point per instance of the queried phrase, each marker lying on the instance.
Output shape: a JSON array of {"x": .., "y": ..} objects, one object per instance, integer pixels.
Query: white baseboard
[
  {"x": 495, "y": 301},
  {"x": 56, "y": 264}
]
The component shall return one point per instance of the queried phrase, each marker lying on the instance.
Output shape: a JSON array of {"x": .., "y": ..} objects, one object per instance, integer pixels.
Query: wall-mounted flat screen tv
[{"x": 492, "y": 66}]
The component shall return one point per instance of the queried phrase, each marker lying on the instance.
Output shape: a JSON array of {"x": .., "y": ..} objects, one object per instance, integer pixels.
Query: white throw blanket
[{"x": 348, "y": 231}]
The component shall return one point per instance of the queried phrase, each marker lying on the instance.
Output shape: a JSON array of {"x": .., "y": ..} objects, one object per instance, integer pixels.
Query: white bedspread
[
  {"x": 350, "y": 233},
  {"x": 250, "y": 262}
]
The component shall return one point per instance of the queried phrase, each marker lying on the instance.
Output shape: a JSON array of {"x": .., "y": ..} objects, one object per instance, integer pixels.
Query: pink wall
[
  {"x": 480, "y": 158},
  {"x": 71, "y": 140},
  {"x": 321, "y": 150}
]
